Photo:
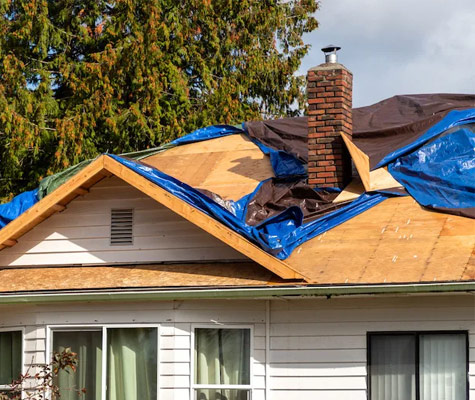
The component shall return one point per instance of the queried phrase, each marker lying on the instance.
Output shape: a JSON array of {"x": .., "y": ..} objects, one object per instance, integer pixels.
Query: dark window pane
[
  {"x": 222, "y": 394},
  {"x": 10, "y": 356},
  {"x": 393, "y": 369}
]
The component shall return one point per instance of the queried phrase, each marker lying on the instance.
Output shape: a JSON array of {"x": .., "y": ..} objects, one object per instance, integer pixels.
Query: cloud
[{"x": 398, "y": 47}]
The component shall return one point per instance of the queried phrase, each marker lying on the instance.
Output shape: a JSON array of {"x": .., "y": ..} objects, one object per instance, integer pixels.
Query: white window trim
[
  {"x": 194, "y": 386},
  {"x": 23, "y": 370},
  {"x": 50, "y": 329}
]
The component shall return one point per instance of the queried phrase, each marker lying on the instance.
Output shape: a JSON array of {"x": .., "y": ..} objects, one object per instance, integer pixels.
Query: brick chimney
[{"x": 329, "y": 90}]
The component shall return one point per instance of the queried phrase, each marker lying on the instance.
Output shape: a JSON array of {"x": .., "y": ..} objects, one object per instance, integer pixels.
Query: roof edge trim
[{"x": 237, "y": 293}]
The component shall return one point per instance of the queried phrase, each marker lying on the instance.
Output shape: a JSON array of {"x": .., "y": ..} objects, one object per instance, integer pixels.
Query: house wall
[
  {"x": 317, "y": 346},
  {"x": 81, "y": 233}
]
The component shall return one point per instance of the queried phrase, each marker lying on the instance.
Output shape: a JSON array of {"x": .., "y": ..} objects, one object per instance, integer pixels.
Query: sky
[{"x": 398, "y": 47}]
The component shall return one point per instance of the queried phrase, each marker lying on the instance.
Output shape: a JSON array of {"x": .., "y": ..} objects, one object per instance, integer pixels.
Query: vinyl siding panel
[
  {"x": 317, "y": 346},
  {"x": 80, "y": 235}
]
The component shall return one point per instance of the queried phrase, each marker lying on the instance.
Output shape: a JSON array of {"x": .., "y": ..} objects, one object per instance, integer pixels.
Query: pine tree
[{"x": 82, "y": 77}]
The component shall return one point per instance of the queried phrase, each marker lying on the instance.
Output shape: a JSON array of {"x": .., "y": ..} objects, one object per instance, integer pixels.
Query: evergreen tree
[{"x": 82, "y": 77}]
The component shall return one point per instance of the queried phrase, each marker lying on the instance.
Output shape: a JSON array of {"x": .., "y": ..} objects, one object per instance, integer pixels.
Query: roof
[
  {"x": 231, "y": 166},
  {"x": 136, "y": 276},
  {"x": 106, "y": 166},
  {"x": 391, "y": 241}
]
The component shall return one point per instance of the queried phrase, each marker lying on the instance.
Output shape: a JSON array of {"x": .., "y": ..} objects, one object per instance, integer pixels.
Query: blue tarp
[
  {"x": 441, "y": 173},
  {"x": 438, "y": 170},
  {"x": 210, "y": 132},
  {"x": 16, "y": 207},
  {"x": 451, "y": 120},
  {"x": 278, "y": 235}
]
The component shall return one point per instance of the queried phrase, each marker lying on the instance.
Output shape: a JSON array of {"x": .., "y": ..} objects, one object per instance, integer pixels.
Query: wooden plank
[
  {"x": 381, "y": 179},
  {"x": 360, "y": 159},
  {"x": 377, "y": 179},
  {"x": 171, "y": 275},
  {"x": 80, "y": 191},
  {"x": 9, "y": 242},
  {"x": 58, "y": 207},
  {"x": 202, "y": 220},
  {"x": 354, "y": 189},
  {"x": 47, "y": 206}
]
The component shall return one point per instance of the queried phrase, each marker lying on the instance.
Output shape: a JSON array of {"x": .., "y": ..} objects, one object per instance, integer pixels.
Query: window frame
[
  {"x": 50, "y": 329},
  {"x": 7, "y": 387},
  {"x": 194, "y": 386},
  {"x": 416, "y": 335}
]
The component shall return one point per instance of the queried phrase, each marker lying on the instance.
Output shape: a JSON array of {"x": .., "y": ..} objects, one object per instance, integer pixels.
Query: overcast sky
[{"x": 399, "y": 47}]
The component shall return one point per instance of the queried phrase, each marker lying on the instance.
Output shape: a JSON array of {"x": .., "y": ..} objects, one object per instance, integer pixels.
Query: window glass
[
  {"x": 393, "y": 367},
  {"x": 10, "y": 356},
  {"x": 418, "y": 366},
  {"x": 222, "y": 356},
  {"x": 132, "y": 364},
  {"x": 222, "y": 394},
  {"x": 443, "y": 367},
  {"x": 88, "y": 346}
]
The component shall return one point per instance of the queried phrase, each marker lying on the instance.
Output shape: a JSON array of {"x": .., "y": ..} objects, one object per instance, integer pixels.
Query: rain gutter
[{"x": 263, "y": 292}]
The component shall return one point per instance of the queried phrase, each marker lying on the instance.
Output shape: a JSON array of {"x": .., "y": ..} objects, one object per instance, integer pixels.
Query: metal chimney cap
[
  {"x": 330, "y": 48},
  {"x": 330, "y": 53}
]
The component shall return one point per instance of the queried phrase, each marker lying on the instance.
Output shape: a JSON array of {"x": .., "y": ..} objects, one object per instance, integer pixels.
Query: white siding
[
  {"x": 317, "y": 346},
  {"x": 81, "y": 233}
]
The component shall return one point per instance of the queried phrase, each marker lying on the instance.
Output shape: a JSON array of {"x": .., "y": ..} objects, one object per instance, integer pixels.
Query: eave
[{"x": 287, "y": 291}]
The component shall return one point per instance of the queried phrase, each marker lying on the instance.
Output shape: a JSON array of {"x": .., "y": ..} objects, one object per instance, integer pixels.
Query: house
[{"x": 170, "y": 292}]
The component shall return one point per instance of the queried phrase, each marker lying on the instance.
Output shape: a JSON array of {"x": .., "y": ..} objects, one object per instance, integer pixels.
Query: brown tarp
[
  {"x": 393, "y": 123},
  {"x": 275, "y": 196},
  {"x": 287, "y": 134},
  {"x": 378, "y": 129}
]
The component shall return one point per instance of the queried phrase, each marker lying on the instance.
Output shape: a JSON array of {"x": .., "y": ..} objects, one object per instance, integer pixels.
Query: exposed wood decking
[
  {"x": 231, "y": 166},
  {"x": 136, "y": 276},
  {"x": 396, "y": 241}
]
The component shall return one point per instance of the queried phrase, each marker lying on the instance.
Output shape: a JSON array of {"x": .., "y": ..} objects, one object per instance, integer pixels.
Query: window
[
  {"x": 10, "y": 357},
  {"x": 88, "y": 346},
  {"x": 222, "y": 364},
  {"x": 418, "y": 366},
  {"x": 126, "y": 369}
]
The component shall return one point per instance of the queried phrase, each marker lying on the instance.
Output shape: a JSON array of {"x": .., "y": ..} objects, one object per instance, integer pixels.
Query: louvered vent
[{"x": 122, "y": 227}]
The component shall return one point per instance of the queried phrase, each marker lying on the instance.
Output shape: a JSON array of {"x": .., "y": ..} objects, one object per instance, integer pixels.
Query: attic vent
[{"x": 122, "y": 223}]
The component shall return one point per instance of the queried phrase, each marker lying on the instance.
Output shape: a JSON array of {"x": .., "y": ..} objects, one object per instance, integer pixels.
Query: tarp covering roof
[
  {"x": 436, "y": 167},
  {"x": 394, "y": 123}
]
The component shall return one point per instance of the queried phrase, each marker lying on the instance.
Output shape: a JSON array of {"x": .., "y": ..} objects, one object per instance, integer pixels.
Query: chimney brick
[{"x": 329, "y": 90}]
